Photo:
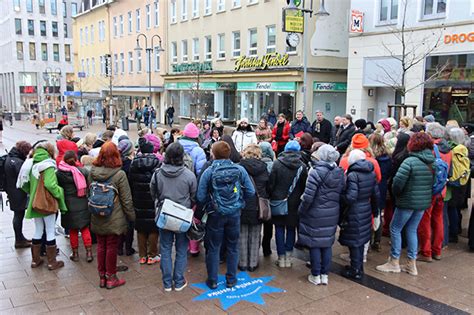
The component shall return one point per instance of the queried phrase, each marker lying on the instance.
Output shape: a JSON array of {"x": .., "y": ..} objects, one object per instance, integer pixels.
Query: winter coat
[
  {"x": 325, "y": 130},
  {"x": 141, "y": 171},
  {"x": 16, "y": 197},
  {"x": 344, "y": 163},
  {"x": 412, "y": 185},
  {"x": 297, "y": 126},
  {"x": 243, "y": 138},
  {"x": 176, "y": 183},
  {"x": 385, "y": 165},
  {"x": 283, "y": 172},
  {"x": 64, "y": 146},
  {"x": 361, "y": 187},
  {"x": 50, "y": 183},
  {"x": 281, "y": 142},
  {"x": 263, "y": 134},
  {"x": 257, "y": 170},
  {"x": 78, "y": 215},
  {"x": 192, "y": 148},
  {"x": 343, "y": 140},
  {"x": 117, "y": 222},
  {"x": 306, "y": 157},
  {"x": 319, "y": 208}
]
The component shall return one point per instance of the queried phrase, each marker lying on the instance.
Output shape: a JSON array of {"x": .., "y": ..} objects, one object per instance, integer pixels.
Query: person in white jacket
[{"x": 243, "y": 135}]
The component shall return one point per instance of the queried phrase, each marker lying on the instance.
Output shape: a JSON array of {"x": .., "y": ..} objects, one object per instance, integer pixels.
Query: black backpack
[{"x": 3, "y": 177}]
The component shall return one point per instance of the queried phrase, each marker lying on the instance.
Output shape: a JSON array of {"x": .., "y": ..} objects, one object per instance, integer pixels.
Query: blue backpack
[
  {"x": 226, "y": 188},
  {"x": 440, "y": 171},
  {"x": 101, "y": 198}
]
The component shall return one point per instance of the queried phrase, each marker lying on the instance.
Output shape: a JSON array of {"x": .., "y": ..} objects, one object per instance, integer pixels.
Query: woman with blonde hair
[{"x": 405, "y": 124}]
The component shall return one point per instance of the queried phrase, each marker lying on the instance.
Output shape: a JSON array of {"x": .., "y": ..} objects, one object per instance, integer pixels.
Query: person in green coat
[
  {"x": 412, "y": 187},
  {"x": 43, "y": 163}
]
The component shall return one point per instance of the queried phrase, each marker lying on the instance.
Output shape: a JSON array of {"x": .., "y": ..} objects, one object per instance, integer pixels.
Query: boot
[
  {"x": 103, "y": 281},
  {"x": 392, "y": 265},
  {"x": 36, "y": 260},
  {"x": 22, "y": 244},
  {"x": 410, "y": 267},
  {"x": 113, "y": 282},
  {"x": 281, "y": 262},
  {"x": 89, "y": 256},
  {"x": 75, "y": 255},
  {"x": 53, "y": 264},
  {"x": 288, "y": 259}
]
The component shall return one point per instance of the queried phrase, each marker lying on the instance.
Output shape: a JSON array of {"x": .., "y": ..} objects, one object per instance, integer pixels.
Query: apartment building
[
  {"x": 232, "y": 57},
  {"x": 36, "y": 61},
  {"x": 439, "y": 47}
]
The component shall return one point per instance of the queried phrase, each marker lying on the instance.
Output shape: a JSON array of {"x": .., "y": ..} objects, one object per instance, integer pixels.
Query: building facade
[
  {"x": 36, "y": 60},
  {"x": 439, "y": 42},
  {"x": 232, "y": 57}
]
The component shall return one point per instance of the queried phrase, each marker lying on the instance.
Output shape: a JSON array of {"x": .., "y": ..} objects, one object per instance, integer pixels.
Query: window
[
  {"x": 82, "y": 65},
  {"x": 271, "y": 39},
  {"x": 139, "y": 61},
  {"x": 16, "y": 6},
  {"x": 253, "y": 42},
  {"x": 388, "y": 10},
  {"x": 157, "y": 13},
  {"x": 121, "y": 25},
  {"x": 220, "y": 46},
  {"x": 130, "y": 62},
  {"x": 73, "y": 9},
  {"x": 122, "y": 63},
  {"x": 64, "y": 9},
  {"x": 252, "y": 1},
  {"x": 101, "y": 31},
  {"x": 19, "y": 50},
  {"x": 86, "y": 35},
  {"x": 236, "y": 3},
  {"x": 434, "y": 8},
  {"x": 184, "y": 10},
  {"x": 87, "y": 67},
  {"x": 54, "y": 7},
  {"x": 92, "y": 34},
  {"x": 93, "y": 66},
  {"x": 220, "y": 5},
  {"x": 31, "y": 27},
  {"x": 43, "y": 28},
  {"x": 81, "y": 36},
  {"x": 173, "y": 11},
  {"x": 66, "y": 33},
  {"x": 56, "y": 52},
  {"x": 18, "y": 26},
  {"x": 67, "y": 53},
  {"x": 148, "y": 16},
  {"x": 41, "y": 6},
  {"x": 195, "y": 8},
  {"x": 208, "y": 7},
  {"x": 116, "y": 64},
  {"x": 44, "y": 52},
  {"x": 208, "y": 48},
  {"x": 102, "y": 65},
  {"x": 32, "y": 50},
  {"x": 174, "y": 52},
  {"x": 130, "y": 22},
  {"x": 236, "y": 44},
  {"x": 29, "y": 6},
  {"x": 54, "y": 29},
  {"x": 184, "y": 50},
  {"x": 115, "y": 26},
  {"x": 195, "y": 49},
  {"x": 137, "y": 20},
  {"x": 157, "y": 59}
]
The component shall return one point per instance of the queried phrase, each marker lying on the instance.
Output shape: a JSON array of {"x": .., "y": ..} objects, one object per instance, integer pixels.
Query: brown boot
[
  {"x": 36, "y": 260},
  {"x": 53, "y": 264},
  {"x": 410, "y": 267},
  {"x": 392, "y": 265},
  {"x": 89, "y": 256},
  {"x": 75, "y": 255}
]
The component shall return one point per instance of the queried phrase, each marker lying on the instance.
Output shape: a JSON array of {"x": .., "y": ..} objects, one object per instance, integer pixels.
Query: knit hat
[
  {"x": 392, "y": 122},
  {"x": 267, "y": 150},
  {"x": 153, "y": 139},
  {"x": 360, "y": 123},
  {"x": 429, "y": 118},
  {"x": 145, "y": 146},
  {"x": 385, "y": 124},
  {"x": 355, "y": 156},
  {"x": 327, "y": 153},
  {"x": 191, "y": 131},
  {"x": 125, "y": 147},
  {"x": 220, "y": 150},
  {"x": 292, "y": 145},
  {"x": 123, "y": 138},
  {"x": 359, "y": 141}
]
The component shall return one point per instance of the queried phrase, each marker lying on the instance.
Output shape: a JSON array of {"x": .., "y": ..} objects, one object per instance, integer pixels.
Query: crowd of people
[{"x": 296, "y": 182}]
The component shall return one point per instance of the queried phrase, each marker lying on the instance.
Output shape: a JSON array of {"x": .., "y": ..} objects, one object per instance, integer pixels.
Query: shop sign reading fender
[{"x": 262, "y": 63}]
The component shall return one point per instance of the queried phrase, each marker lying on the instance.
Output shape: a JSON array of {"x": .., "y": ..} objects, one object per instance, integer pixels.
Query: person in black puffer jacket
[
  {"x": 250, "y": 225},
  {"x": 284, "y": 171},
  {"x": 17, "y": 197},
  {"x": 356, "y": 223},
  {"x": 319, "y": 211},
  {"x": 140, "y": 174}
]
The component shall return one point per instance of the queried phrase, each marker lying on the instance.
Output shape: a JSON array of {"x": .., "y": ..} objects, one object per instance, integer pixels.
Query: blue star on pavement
[{"x": 247, "y": 289}]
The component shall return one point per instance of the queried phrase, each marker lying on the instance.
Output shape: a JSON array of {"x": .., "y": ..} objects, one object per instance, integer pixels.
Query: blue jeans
[
  {"x": 219, "y": 228},
  {"x": 166, "y": 245},
  {"x": 453, "y": 217},
  {"x": 357, "y": 258},
  {"x": 445, "y": 224},
  {"x": 410, "y": 220},
  {"x": 283, "y": 244},
  {"x": 320, "y": 260}
]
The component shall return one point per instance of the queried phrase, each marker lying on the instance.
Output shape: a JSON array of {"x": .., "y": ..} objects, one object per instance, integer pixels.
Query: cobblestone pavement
[{"x": 442, "y": 287}]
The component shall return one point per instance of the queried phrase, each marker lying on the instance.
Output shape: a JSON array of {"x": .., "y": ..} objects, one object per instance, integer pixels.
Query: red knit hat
[{"x": 359, "y": 141}]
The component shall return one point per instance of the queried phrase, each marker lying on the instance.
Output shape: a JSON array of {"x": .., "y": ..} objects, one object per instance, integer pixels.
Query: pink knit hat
[
  {"x": 191, "y": 131},
  {"x": 385, "y": 124},
  {"x": 153, "y": 139}
]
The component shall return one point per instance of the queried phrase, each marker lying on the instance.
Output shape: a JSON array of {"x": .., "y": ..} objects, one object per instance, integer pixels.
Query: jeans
[
  {"x": 430, "y": 229},
  {"x": 218, "y": 228},
  {"x": 166, "y": 246},
  {"x": 410, "y": 220},
  {"x": 445, "y": 224},
  {"x": 148, "y": 244},
  {"x": 170, "y": 121},
  {"x": 320, "y": 260},
  {"x": 357, "y": 258},
  {"x": 107, "y": 254},
  {"x": 18, "y": 217},
  {"x": 74, "y": 237},
  {"x": 283, "y": 244},
  {"x": 47, "y": 223},
  {"x": 453, "y": 216}
]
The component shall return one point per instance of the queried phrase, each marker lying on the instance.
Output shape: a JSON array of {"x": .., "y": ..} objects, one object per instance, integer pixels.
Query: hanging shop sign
[
  {"x": 329, "y": 87},
  {"x": 262, "y": 63},
  {"x": 357, "y": 22},
  {"x": 267, "y": 86},
  {"x": 210, "y": 86},
  {"x": 28, "y": 89},
  {"x": 196, "y": 66},
  {"x": 293, "y": 20}
]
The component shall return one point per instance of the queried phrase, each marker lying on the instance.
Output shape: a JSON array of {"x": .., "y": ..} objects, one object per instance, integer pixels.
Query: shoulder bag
[
  {"x": 44, "y": 202},
  {"x": 280, "y": 207},
  {"x": 264, "y": 209}
]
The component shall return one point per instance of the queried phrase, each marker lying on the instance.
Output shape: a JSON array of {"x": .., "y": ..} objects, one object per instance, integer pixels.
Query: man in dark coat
[
  {"x": 300, "y": 124},
  {"x": 335, "y": 128},
  {"x": 344, "y": 134},
  {"x": 17, "y": 197},
  {"x": 321, "y": 127}
]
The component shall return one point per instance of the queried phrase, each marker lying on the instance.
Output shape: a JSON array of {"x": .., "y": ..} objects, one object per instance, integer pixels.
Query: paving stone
[
  {"x": 36, "y": 308},
  {"x": 99, "y": 307},
  {"x": 73, "y": 300},
  {"x": 172, "y": 308},
  {"x": 404, "y": 309},
  {"x": 75, "y": 310},
  {"x": 8, "y": 293},
  {"x": 26, "y": 299},
  {"x": 328, "y": 304},
  {"x": 5, "y": 304},
  {"x": 130, "y": 305}
]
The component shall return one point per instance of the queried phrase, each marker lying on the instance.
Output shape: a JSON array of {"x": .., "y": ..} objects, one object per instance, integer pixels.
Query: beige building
[{"x": 232, "y": 57}]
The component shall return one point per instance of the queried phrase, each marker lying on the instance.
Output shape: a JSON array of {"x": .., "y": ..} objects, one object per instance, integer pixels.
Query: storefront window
[{"x": 254, "y": 105}]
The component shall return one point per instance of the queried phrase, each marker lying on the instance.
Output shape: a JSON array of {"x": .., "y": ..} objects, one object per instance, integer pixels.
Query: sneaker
[
  {"x": 181, "y": 287},
  {"x": 154, "y": 260},
  {"x": 316, "y": 280},
  {"x": 436, "y": 257},
  {"x": 345, "y": 257},
  {"x": 142, "y": 260},
  {"x": 424, "y": 258},
  {"x": 168, "y": 289},
  {"x": 324, "y": 279}
]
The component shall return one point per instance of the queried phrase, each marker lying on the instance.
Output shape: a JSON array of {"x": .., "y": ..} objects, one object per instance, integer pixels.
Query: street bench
[{"x": 51, "y": 127}]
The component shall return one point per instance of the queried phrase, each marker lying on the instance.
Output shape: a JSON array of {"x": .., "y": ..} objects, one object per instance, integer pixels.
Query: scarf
[
  {"x": 79, "y": 179},
  {"x": 36, "y": 169}
]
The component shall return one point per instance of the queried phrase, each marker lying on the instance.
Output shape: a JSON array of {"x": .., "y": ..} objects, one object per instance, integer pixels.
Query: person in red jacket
[
  {"x": 66, "y": 143},
  {"x": 281, "y": 133}
]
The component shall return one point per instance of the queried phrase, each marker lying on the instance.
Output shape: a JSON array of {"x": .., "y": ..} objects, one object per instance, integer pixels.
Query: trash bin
[
  {"x": 125, "y": 123},
  {"x": 17, "y": 116}
]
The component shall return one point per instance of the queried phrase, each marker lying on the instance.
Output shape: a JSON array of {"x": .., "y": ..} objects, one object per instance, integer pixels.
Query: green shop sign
[
  {"x": 266, "y": 86},
  {"x": 330, "y": 86},
  {"x": 212, "y": 86},
  {"x": 196, "y": 66}
]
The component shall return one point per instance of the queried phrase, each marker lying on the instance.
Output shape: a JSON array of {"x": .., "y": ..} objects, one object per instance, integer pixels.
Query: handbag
[
  {"x": 264, "y": 209},
  {"x": 174, "y": 217},
  {"x": 280, "y": 207},
  {"x": 44, "y": 202}
]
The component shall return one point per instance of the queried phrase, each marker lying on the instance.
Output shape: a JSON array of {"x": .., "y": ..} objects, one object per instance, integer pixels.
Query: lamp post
[
  {"x": 149, "y": 50},
  {"x": 48, "y": 73}
]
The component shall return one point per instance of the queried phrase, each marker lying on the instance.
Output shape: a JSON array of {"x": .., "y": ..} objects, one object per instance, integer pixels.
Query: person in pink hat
[
  {"x": 153, "y": 139},
  {"x": 191, "y": 146}
]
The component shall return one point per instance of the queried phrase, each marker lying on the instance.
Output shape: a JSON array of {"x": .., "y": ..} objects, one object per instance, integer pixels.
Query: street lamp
[
  {"x": 49, "y": 74},
  {"x": 149, "y": 50}
]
